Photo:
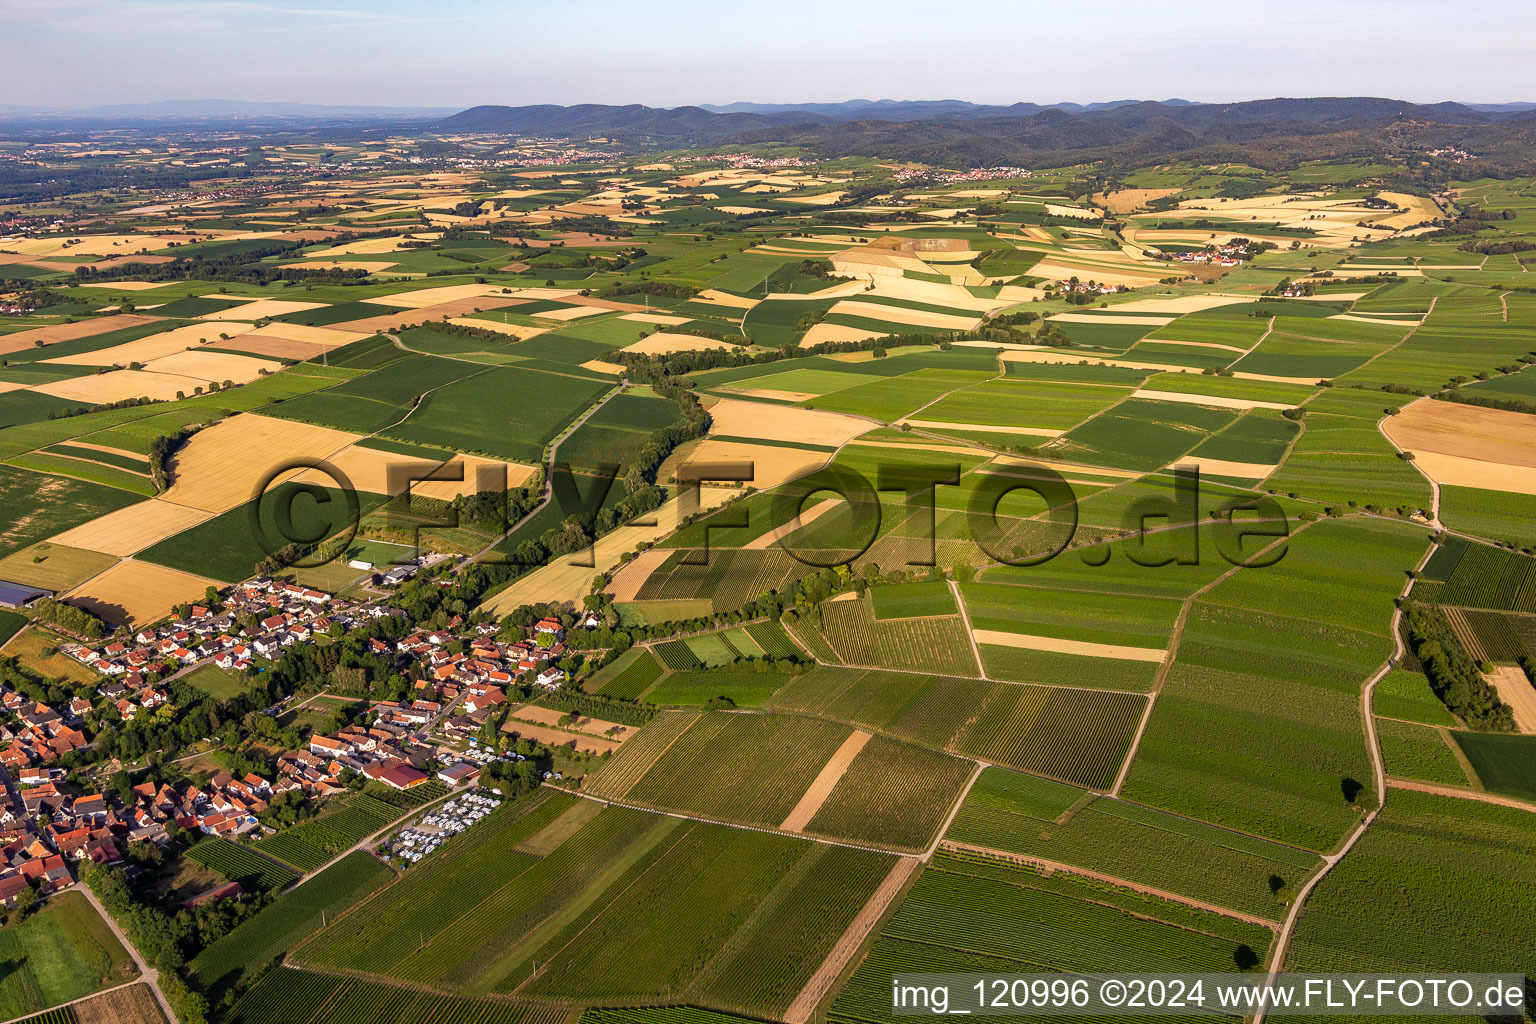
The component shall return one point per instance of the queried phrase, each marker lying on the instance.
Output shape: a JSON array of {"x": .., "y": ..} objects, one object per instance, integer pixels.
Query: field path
[
  {"x": 1173, "y": 652},
  {"x": 842, "y": 954},
  {"x": 1393, "y": 348},
  {"x": 148, "y": 974},
  {"x": 733, "y": 824},
  {"x": 954, "y": 810},
  {"x": 1124, "y": 883},
  {"x": 549, "y": 473},
  {"x": 1282, "y": 941},
  {"x": 826, "y": 780},
  {"x": 1461, "y": 793},
  {"x": 367, "y": 842},
  {"x": 970, "y": 634}
]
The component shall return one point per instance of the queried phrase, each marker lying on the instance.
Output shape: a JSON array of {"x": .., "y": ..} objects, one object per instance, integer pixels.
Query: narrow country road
[
  {"x": 149, "y": 975},
  {"x": 549, "y": 473},
  {"x": 1282, "y": 941}
]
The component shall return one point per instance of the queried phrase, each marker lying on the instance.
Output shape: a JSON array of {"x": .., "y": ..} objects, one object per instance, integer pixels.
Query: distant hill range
[
  {"x": 958, "y": 133},
  {"x": 953, "y": 133}
]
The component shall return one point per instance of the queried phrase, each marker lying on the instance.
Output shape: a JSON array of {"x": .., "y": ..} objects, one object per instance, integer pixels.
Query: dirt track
[{"x": 842, "y": 954}]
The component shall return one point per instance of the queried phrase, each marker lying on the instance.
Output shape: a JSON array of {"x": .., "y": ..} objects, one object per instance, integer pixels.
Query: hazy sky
[{"x": 665, "y": 53}]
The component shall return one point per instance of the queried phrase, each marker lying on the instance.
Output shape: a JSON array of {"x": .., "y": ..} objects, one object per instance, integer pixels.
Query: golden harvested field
[
  {"x": 631, "y": 576},
  {"x": 1095, "y": 318},
  {"x": 436, "y": 296},
  {"x": 131, "y": 1004},
  {"x": 600, "y": 366},
  {"x": 733, "y": 417},
  {"x": 589, "y": 726},
  {"x": 1460, "y": 471},
  {"x": 94, "y": 245},
  {"x": 877, "y": 262},
  {"x": 260, "y": 309},
  {"x": 364, "y": 247},
  {"x": 569, "y": 313},
  {"x": 657, "y": 318},
  {"x": 720, "y": 298},
  {"x": 274, "y": 348},
  {"x": 1416, "y": 210},
  {"x": 1059, "y": 268},
  {"x": 204, "y": 367},
  {"x": 1466, "y": 432},
  {"x": 771, "y": 394},
  {"x": 368, "y": 470},
  {"x": 1060, "y": 646},
  {"x": 125, "y": 286},
  {"x": 328, "y": 337},
  {"x": 1076, "y": 212},
  {"x": 53, "y": 566},
  {"x": 903, "y": 315},
  {"x": 134, "y": 528},
  {"x": 1181, "y": 304},
  {"x": 771, "y": 464},
  {"x": 1128, "y": 200},
  {"x": 117, "y": 385},
  {"x": 221, "y": 467},
  {"x": 1515, "y": 690},
  {"x": 1224, "y": 467},
  {"x": 1222, "y": 403},
  {"x": 1336, "y": 221},
  {"x": 836, "y": 332},
  {"x": 557, "y": 738},
  {"x": 661, "y": 343},
  {"x": 131, "y": 593},
  {"x": 69, "y": 332},
  {"x": 387, "y": 322},
  {"x": 155, "y": 346}
]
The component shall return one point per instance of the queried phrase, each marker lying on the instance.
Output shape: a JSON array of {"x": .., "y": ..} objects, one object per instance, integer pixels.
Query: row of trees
[{"x": 1452, "y": 673}]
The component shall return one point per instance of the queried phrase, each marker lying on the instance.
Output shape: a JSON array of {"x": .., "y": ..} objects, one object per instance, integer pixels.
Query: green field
[
  {"x": 239, "y": 864},
  {"x": 61, "y": 952},
  {"x": 1503, "y": 763},
  {"x": 227, "y": 547},
  {"x": 1077, "y": 736},
  {"x": 305, "y": 997},
  {"x": 1258, "y": 727},
  {"x": 1444, "y": 878},
  {"x": 311, "y": 843},
  {"x": 1419, "y": 752},
  {"x": 215, "y": 682},
  {"x": 1015, "y": 813},
  {"x": 612, "y": 904},
  {"x": 459, "y": 417},
  {"x": 41, "y": 505},
  {"x": 280, "y": 926},
  {"x": 980, "y": 915}
]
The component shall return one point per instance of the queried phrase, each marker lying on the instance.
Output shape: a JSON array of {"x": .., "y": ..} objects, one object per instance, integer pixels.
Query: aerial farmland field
[{"x": 507, "y": 539}]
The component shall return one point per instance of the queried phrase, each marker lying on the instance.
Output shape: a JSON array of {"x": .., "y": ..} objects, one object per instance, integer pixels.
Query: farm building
[{"x": 14, "y": 595}]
